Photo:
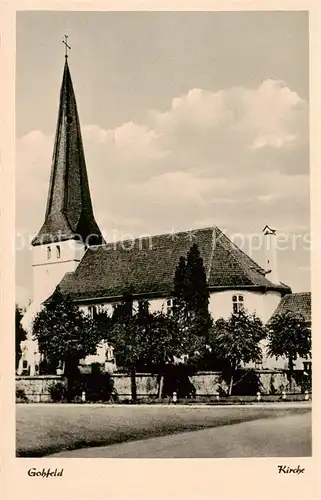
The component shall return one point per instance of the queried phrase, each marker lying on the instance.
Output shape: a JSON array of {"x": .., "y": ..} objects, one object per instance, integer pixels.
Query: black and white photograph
[
  {"x": 159, "y": 277},
  {"x": 163, "y": 297},
  {"x": 160, "y": 240}
]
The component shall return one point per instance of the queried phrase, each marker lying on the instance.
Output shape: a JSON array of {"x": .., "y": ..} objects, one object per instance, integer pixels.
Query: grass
[{"x": 46, "y": 429}]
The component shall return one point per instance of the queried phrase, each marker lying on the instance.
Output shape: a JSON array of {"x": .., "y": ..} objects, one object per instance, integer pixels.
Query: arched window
[
  {"x": 58, "y": 251},
  {"x": 48, "y": 253}
]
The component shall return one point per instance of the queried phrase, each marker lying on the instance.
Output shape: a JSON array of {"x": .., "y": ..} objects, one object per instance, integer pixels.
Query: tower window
[
  {"x": 58, "y": 251},
  {"x": 170, "y": 305},
  {"x": 48, "y": 253},
  {"x": 238, "y": 303}
]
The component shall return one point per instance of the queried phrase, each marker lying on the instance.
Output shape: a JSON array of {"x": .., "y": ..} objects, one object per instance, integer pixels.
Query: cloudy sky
[{"x": 188, "y": 120}]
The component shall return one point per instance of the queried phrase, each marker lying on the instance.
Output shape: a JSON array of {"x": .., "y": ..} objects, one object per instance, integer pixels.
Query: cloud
[
  {"x": 130, "y": 141},
  {"x": 238, "y": 157},
  {"x": 271, "y": 115},
  {"x": 33, "y": 160}
]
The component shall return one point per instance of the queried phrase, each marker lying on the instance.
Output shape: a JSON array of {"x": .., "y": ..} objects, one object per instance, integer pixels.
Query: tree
[
  {"x": 164, "y": 343},
  {"x": 191, "y": 300},
  {"x": 141, "y": 338},
  {"x": 21, "y": 334},
  {"x": 180, "y": 281},
  {"x": 236, "y": 340},
  {"x": 104, "y": 324},
  {"x": 289, "y": 336},
  {"x": 64, "y": 333},
  {"x": 128, "y": 336}
]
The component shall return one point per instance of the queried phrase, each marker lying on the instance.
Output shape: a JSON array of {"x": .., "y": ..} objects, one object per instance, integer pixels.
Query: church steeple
[{"x": 69, "y": 212}]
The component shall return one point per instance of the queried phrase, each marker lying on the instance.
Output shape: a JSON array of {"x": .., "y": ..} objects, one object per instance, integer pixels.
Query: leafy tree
[
  {"x": 104, "y": 324},
  {"x": 289, "y": 336},
  {"x": 64, "y": 333},
  {"x": 141, "y": 338},
  {"x": 21, "y": 334},
  {"x": 128, "y": 336},
  {"x": 236, "y": 340},
  {"x": 164, "y": 343}
]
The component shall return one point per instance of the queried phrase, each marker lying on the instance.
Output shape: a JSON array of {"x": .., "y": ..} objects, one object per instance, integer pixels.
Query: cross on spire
[{"x": 67, "y": 46}]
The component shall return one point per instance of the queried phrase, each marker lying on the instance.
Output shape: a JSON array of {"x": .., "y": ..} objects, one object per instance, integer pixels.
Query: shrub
[
  {"x": 21, "y": 396},
  {"x": 97, "y": 386},
  {"x": 303, "y": 380},
  {"x": 57, "y": 392},
  {"x": 177, "y": 379},
  {"x": 246, "y": 383}
]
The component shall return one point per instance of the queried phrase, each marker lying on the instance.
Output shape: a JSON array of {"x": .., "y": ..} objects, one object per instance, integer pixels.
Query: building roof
[
  {"x": 147, "y": 266},
  {"x": 69, "y": 212},
  {"x": 299, "y": 303}
]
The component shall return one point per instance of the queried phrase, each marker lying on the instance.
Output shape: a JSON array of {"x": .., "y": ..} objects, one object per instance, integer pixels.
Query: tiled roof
[
  {"x": 69, "y": 210},
  {"x": 147, "y": 265},
  {"x": 296, "y": 303}
]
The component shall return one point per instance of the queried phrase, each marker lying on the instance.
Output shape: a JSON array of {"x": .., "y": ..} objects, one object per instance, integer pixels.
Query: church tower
[{"x": 69, "y": 226}]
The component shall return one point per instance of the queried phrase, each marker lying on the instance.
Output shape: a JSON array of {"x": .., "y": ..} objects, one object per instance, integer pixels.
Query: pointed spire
[{"x": 69, "y": 213}]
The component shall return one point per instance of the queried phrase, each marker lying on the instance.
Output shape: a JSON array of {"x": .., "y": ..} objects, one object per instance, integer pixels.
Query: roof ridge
[{"x": 143, "y": 237}]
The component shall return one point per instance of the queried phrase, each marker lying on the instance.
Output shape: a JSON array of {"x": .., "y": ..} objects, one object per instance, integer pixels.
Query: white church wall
[
  {"x": 51, "y": 263},
  {"x": 220, "y": 304},
  {"x": 157, "y": 305},
  {"x": 262, "y": 304}
]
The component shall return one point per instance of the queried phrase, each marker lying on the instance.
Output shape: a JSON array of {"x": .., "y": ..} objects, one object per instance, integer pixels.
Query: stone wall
[
  {"x": 146, "y": 384},
  {"x": 206, "y": 383},
  {"x": 37, "y": 388}
]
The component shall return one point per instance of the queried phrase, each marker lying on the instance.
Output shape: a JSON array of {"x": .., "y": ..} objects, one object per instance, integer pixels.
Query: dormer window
[
  {"x": 48, "y": 253},
  {"x": 58, "y": 252},
  {"x": 238, "y": 303}
]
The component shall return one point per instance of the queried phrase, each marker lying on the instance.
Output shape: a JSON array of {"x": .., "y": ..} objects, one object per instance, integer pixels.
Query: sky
[{"x": 189, "y": 119}]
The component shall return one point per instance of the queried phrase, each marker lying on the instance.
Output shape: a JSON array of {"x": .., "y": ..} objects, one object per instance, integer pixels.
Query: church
[{"x": 69, "y": 250}]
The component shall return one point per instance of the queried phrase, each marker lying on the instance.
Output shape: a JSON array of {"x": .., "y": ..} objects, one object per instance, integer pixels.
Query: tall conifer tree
[{"x": 191, "y": 294}]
